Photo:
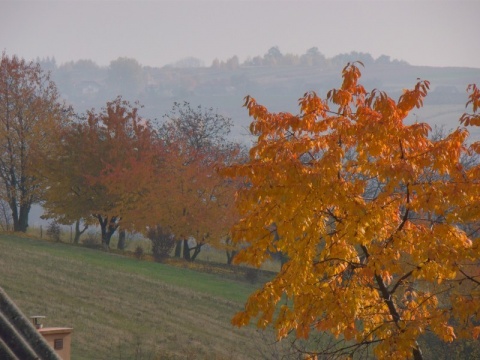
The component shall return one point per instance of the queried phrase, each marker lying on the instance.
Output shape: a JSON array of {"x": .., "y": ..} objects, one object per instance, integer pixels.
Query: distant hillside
[{"x": 275, "y": 80}]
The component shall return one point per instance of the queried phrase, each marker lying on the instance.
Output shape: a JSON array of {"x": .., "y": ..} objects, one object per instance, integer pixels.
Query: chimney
[
  {"x": 59, "y": 338},
  {"x": 18, "y": 337}
]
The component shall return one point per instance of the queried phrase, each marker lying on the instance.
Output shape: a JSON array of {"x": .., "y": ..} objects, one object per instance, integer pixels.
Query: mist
[{"x": 157, "y": 33}]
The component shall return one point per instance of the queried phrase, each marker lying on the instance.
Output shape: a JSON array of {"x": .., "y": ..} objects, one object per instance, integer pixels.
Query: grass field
[{"x": 122, "y": 308}]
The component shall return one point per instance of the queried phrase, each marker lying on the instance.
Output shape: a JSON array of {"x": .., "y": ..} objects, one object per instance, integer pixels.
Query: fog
[{"x": 156, "y": 32}]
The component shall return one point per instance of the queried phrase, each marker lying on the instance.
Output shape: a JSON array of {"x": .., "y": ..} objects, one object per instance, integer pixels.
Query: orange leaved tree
[
  {"x": 105, "y": 170},
  {"x": 197, "y": 202},
  {"x": 31, "y": 114},
  {"x": 377, "y": 222}
]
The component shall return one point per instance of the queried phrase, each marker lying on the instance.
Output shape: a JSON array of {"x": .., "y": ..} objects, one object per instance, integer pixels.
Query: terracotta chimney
[{"x": 59, "y": 338}]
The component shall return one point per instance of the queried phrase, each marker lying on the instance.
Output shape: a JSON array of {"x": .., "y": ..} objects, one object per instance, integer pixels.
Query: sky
[{"x": 158, "y": 32}]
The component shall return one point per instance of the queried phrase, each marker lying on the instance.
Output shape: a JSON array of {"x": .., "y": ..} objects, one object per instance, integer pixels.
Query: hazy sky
[{"x": 158, "y": 32}]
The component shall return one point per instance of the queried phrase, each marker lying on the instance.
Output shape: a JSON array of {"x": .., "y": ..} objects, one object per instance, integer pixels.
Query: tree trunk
[
  {"x": 78, "y": 232},
  {"x": 121, "y": 240},
  {"x": 107, "y": 228},
  {"x": 417, "y": 352},
  {"x": 186, "y": 250},
  {"x": 230, "y": 256},
  {"x": 20, "y": 216},
  {"x": 178, "y": 248},
  {"x": 283, "y": 259},
  {"x": 196, "y": 251},
  {"x": 392, "y": 309}
]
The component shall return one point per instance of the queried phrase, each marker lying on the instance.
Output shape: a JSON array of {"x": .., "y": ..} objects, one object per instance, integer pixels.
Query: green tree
[
  {"x": 125, "y": 77},
  {"x": 273, "y": 57}
]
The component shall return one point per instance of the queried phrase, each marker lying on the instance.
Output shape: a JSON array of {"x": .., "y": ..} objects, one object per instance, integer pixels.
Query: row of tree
[
  {"x": 84, "y": 81},
  {"x": 112, "y": 167},
  {"x": 273, "y": 57},
  {"x": 312, "y": 57}
]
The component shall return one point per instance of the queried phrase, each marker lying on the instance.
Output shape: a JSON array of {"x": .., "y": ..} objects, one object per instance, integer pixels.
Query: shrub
[
  {"x": 162, "y": 242},
  {"x": 139, "y": 253},
  {"x": 53, "y": 231},
  {"x": 91, "y": 241}
]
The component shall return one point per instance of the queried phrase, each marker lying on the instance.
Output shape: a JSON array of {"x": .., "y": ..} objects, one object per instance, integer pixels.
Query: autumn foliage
[
  {"x": 112, "y": 168},
  {"x": 378, "y": 222},
  {"x": 193, "y": 199},
  {"x": 31, "y": 114},
  {"x": 104, "y": 170}
]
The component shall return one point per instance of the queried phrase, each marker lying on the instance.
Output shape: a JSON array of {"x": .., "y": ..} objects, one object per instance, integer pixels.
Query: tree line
[
  {"x": 85, "y": 80},
  {"x": 111, "y": 167}
]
